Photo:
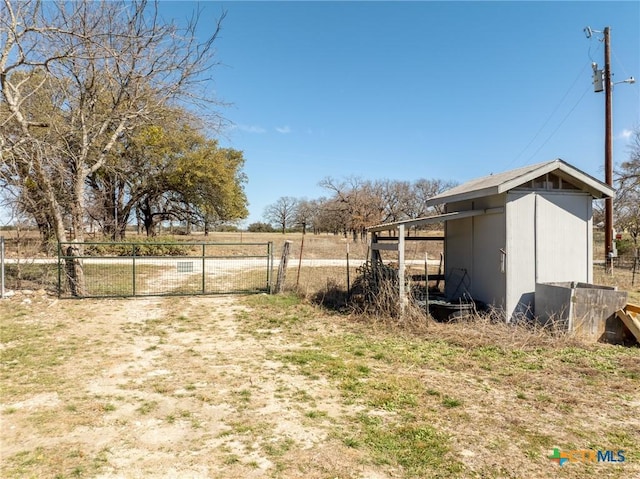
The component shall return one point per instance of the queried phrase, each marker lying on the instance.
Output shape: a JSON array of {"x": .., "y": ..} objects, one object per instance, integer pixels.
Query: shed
[{"x": 506, "y": 232}]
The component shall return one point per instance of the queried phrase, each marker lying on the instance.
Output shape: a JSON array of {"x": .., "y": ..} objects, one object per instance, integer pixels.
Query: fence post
[
  {"x": 270, "y": 267},
  {"x": 59, "y": 270},
  {"x": 282, "y": 268},
  {"x": 348, "y": 276},
  {"x": 401, "y": 271},
  {"x": 204, "y": 264},
  {"x": 133, "y": 269},
  {"x": 1, "y": 267}
]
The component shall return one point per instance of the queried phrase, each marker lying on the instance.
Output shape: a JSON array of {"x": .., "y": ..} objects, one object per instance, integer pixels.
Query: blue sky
[{"x": 408, "y": 90}]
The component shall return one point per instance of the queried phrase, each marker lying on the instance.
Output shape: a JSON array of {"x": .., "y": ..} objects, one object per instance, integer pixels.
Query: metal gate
[{"x": 100, "y": 270}]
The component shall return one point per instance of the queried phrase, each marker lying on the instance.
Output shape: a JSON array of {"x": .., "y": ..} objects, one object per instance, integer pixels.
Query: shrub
[
  {"x": 625, "y": 246},
  {"x": 259, "y": 227},
  {"x": 142, "y": 248}
]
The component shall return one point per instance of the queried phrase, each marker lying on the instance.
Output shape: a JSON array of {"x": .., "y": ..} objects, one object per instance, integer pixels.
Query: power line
[
  {"x": 551, "y": 116},
  {"x": 626, "y": 74},
  {"x": 560, "y": 124}
]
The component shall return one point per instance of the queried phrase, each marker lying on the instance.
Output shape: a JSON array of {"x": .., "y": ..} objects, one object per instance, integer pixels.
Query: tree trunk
[
  {"x": 75, "y": 273},
  {"x": 147, "y": 218}
]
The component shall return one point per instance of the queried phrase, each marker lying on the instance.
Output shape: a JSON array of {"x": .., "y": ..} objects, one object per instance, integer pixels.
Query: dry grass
[
  {"x": 308, "y": 281},
  {"x": 622, "y": 278},
  {"x": 272, "y": 386},
  {"x": 25, "y": 244}
]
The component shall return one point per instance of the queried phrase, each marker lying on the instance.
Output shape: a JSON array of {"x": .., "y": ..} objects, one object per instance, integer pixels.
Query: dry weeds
[{"x": 268, "y": 386}]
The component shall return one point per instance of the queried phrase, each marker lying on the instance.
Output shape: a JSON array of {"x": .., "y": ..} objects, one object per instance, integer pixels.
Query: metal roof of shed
[{"x": 508, "y": 180}]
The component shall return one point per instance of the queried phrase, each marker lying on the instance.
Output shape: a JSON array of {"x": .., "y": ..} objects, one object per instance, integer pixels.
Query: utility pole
[
  {"x": 608, "y": 150},
  {"x": 602, "y": 81}
]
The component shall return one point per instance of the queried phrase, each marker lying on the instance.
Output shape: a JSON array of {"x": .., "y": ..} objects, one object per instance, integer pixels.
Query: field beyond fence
[{"x": 27, "y": 267}]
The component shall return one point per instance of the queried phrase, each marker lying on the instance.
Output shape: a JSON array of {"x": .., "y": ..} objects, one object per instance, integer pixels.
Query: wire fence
[{"x": 159, "y": 269}]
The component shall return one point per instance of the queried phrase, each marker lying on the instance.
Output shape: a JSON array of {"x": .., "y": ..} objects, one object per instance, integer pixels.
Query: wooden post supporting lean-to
[
  {"x": 282, "y": 268},
  {"x": 401, "y": 276},
  {"x": 426, "y": 283}
]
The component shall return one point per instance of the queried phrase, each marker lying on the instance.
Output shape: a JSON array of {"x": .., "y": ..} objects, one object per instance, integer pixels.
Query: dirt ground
[
  {"x": 271, "y": 387},
  {"x": 142, "y": 388}
]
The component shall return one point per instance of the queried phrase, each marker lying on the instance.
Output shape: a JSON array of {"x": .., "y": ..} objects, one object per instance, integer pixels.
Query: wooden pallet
[{"x": 630, "y": 316}]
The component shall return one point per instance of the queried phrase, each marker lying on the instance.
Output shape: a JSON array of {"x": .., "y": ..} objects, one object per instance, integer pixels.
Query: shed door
[{"x": 562, "y": 249}]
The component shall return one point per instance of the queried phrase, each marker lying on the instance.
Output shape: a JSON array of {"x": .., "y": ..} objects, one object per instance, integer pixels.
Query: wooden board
[
  {"x": 631, "y": 319},
  {"x": 633, "y": 308}
]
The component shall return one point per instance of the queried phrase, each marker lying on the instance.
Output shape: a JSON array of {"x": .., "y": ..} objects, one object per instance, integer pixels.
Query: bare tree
[
  {"x": 283, "y": 212},
  {"x": 106, "y": 67},
  {"x": 307, "y": 213},
  {"x": 425, "y": 189},
  {"x": 627, "y": 201}
]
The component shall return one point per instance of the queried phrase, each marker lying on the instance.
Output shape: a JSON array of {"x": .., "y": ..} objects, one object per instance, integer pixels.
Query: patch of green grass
[
  {"x": 244, "y": 395},
  {"x": 489, "y": 353},
  {"x": 60, "y": 462},
  {"x": 302, "y": 395},
  {"x": 599, "y": 359},
  {"x": 32, "y": 356},
  {"x": 315, "y": 414},
  {"x": 392, "y": 393},
  {"x": 351, "y": 442},
  {"x": 274, "y": 301},
  {"x": 450, "y": 402},
  {"x": 253, "y": 428},
  {"x": 231, "y": 459},
  {"x": 418, "y": 447},
  {"x": 147, "y": 407},
  {"x": 277, "y": 447}
]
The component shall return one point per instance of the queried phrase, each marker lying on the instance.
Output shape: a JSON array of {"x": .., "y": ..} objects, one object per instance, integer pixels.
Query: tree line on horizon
[{"x": 353, "y": 205}]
